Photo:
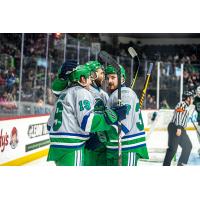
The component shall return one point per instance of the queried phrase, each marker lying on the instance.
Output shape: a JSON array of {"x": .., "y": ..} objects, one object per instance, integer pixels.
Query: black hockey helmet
[{"x": 187, "y": 94}]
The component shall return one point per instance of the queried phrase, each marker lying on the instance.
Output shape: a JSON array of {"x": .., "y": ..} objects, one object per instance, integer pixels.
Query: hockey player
[
  {"x": 197, "y": 104},
  {"x": 61, "y": 82},
  {"x": 74, "y": 119},
  {"x": 133, "y": 135},
  {"x": 95, "y": 150},
  {"x": 177, "y": 133}
]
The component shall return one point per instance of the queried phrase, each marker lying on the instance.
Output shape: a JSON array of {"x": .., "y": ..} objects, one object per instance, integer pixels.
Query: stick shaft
[
  {"x": 107, "y": 58},
  {"x": 146, "y": 85}
]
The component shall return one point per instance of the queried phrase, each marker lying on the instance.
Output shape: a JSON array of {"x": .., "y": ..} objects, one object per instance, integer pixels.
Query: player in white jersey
[
  {"x": 61, "y": 82},
  {"x": 133, "y": 134},
  {"x": 95, "y": 150},
  {"x": 74, "y": 119}
]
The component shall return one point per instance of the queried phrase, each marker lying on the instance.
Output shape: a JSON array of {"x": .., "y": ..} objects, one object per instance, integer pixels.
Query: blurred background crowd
[{"x": 26, "y": 71}]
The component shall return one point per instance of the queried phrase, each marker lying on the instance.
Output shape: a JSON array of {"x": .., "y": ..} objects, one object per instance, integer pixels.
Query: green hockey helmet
[
  {"x": 112, "y": 70},
  {"x": 93, "y": 65},
  {"x": 79, "y": 71}
]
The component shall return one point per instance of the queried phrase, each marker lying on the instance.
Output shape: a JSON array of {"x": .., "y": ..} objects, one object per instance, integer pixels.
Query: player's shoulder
[
  {"x": 78, "y": 90},
  {"x": 181, "y": 104},
  {"x": 128, "y": 91},
  {"x": 91, "y": 88},
  {"x": 103, "y": 92}
]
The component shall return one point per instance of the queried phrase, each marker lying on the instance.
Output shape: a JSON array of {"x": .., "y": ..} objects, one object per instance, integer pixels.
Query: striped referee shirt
[{"x": 181, "y": 114}]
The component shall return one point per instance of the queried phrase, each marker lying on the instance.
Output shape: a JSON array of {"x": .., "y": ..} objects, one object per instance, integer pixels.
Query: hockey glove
[
  {"x": 66, "y": 68},
  {"x": 48, "y": 127},
  {"x": 115, "y": 114},
  {"x": 93, "y": 143},
  {"x": 99, "y": 106},
  {"x": 102, "y": 137},
  {"x": 120, "y": 111}
]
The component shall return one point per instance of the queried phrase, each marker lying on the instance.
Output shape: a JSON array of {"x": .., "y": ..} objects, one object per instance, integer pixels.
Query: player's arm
[
  {"x": 91, "y": 121},
  {"x": 134, "y": 118},
  {"x": 50, "y": 121}
]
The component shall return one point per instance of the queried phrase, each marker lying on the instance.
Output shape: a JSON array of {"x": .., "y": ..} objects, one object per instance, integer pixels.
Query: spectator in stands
[
  {"x": 10, "y": 81},
  {"x": 151, "y": 103},
  {"x": 35, "y": 47},
  {"x": 31, "y": 76},
  {"x": 3, "y": 99},
  {"x": 50, "y": 97},
  {"x": 193, "y": 59},
  {"x": 7, "y": 102},
  {"x": 164, "y": 104},
  {"x": 39, "y": 108},
  {"x": 2, "y": 79},
  {"x": 40, "y": 92}
]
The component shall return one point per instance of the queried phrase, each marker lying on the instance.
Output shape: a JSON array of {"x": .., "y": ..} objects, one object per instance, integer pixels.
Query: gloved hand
[
  {"x": 66, "y": 68},
  {"x": 93, "y": 143},
  {"x": 102, "y": 137},
  {"x": 99, "y": 106},
  {"x": 115, "y": 114},
  {"x": 120, "y": 111}
]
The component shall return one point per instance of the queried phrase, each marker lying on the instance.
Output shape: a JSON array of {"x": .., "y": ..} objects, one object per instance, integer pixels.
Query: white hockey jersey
[
  {"x": 133, "y": 134},
  {"x": 72, "y": 120},
  {"x": 99, "y": 94}
]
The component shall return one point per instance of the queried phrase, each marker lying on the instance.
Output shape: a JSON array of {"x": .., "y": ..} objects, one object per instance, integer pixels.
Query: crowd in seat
[{"x": 34, "y": 64}]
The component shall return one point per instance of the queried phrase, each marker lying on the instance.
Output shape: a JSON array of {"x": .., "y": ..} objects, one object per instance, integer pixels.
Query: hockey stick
[
  {"x": 198, "y": 133},
  {"x": 195, "y": 127},
  {"x": 107, "y": 58},
  {"x": 146, "y": 84},
  {"x": 134, "y": 55}
]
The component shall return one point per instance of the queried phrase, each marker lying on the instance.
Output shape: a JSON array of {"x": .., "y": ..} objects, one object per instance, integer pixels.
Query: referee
[{"x": 177, "y": 133}]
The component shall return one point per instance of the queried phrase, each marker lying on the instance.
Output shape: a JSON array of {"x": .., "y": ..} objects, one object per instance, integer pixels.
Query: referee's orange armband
[{"x": 180, "y": 109}]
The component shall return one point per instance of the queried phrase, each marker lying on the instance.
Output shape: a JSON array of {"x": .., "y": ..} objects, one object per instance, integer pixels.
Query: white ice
[{"x": 157, "y": 144}]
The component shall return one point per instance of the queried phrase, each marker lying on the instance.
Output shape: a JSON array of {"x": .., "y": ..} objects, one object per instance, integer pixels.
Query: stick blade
[
  {"x": 107, "y": 58},
  {"x": 132, "y": 52},
  {"x": 150, "y": 68}
]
